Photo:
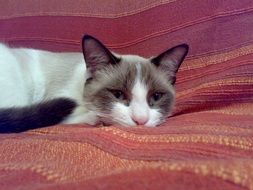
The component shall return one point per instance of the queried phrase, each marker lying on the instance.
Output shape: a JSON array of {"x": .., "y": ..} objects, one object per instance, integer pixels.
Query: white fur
[
  {"x": 26, "y": 77},
  {"x": 122, "y": 114},
  {"x": 132, "y": 58},
  {"x": 139, "y": 105}
]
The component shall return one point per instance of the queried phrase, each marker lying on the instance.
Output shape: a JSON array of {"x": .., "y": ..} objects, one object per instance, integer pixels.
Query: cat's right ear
[{"x": 96, "y": 55}]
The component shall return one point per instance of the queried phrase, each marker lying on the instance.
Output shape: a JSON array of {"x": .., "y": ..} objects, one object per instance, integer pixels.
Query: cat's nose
[{"x": 140, "y": 120}]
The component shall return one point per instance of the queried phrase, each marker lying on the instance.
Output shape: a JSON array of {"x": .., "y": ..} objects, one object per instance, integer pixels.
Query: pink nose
[{"x": 140, "y": 120}]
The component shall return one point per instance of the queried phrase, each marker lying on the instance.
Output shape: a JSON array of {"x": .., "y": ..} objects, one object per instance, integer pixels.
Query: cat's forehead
[
  {"x": 133, "y": 59},
  {"x": 130, "y": 69},
  {"x": 146, "y": 72}
]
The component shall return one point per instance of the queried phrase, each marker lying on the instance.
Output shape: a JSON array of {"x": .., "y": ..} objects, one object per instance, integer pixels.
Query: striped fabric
[{"x": 206, "y": 144}]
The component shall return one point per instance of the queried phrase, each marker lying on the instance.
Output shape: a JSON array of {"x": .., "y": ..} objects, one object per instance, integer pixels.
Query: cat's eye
[
  {"x": 157, "y": 96},
  {"x": 118, "y": 94}
]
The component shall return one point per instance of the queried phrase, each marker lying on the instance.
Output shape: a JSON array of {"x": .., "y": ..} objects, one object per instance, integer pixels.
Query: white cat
[{"x": 41, "y": 88}]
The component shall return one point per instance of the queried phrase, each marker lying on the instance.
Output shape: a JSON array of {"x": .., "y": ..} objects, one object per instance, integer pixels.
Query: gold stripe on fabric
[
  {"x": 242, "y": 109},
  {"x": 39, "y": 169},
  {"x": 83, "y": 161},
  {"x": 233, "y": 174},
  {"x": 215, "y": 59},
  {"x": 230, "y": 141},
  {"x": 236, "y": 81}
]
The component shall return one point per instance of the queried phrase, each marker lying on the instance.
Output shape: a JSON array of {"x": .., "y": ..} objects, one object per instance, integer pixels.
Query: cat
[{"x": 41, "y": 88}]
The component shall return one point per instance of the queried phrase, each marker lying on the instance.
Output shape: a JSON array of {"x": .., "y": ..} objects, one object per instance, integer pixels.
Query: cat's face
[{"x": 130, "y": 90}]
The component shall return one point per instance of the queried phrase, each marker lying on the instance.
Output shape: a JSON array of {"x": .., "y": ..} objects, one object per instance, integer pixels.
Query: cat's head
[{"x": 130, "y": 90}]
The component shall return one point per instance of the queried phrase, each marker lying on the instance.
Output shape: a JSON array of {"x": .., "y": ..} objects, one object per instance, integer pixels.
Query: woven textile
[{"x": 206, "y": 144}]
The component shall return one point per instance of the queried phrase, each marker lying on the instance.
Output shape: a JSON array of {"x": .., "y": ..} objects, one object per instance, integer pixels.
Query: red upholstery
[{"x": 207, "y": 144}]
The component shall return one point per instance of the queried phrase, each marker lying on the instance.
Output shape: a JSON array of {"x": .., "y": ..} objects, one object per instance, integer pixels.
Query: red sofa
[{"x": 206, "y": 144}]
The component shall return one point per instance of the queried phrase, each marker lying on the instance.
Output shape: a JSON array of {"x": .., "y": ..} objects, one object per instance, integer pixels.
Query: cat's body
[
  {"x": 28, "y": 76},
  {"x": 116, "y": 91},
  {"x": 31, "y": 76}
]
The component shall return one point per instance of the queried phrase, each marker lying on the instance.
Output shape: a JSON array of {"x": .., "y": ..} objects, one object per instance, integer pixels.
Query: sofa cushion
[{"x": 206, "y": 144}]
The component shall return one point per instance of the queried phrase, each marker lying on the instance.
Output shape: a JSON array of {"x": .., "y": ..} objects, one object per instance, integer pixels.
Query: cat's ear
[
  {"x": 96, "y": 55},
  {"x": 170, "y": 60}
]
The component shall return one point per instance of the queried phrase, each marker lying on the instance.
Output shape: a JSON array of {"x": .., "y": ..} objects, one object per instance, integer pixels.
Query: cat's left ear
[
  {"x": 96, "y": 55},
  {"x": 170, "y": 60}
]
